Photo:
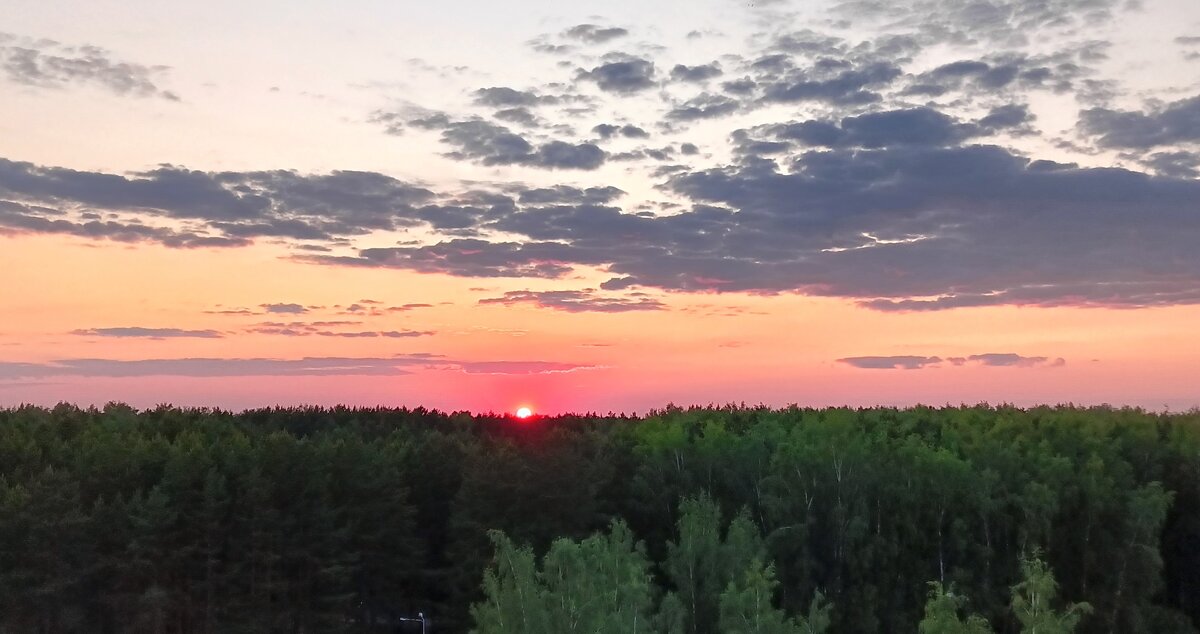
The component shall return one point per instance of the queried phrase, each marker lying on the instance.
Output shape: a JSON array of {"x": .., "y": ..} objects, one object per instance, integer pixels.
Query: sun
[{"x": 524, "y": 412}]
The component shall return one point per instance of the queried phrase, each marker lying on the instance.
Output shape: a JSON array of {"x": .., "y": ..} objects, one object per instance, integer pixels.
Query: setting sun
[{"x": 524, "y": 412}]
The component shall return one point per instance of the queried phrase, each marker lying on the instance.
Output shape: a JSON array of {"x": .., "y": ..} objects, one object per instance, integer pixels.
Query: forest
[{"x": 699, "y": 520}]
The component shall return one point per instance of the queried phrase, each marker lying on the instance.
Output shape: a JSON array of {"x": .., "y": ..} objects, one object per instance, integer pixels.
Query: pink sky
[{"x": 792, "y": 203}]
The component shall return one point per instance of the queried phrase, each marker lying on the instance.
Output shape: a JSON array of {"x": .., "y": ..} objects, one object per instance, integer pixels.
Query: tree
[
  {"x": 700, "y": 564},
  {"x": 1032, "y": 598},
  {"x": 942, "y": 614},
  {"x": 746, "y": 607},
  {"x": 600, "y": 585}
]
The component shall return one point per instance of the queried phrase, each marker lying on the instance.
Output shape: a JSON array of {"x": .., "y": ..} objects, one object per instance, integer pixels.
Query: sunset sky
[{"x": 483, "y": 205}]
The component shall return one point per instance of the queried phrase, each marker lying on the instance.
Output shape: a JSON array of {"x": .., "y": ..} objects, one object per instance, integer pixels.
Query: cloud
[
  {"x": 519, "y": 116},
  {"x": 566, "y": 194},
  {"x": 505, "y": 97},
  {"x": 1009, "y": 72},
  {"x": 391, "y": 334},
  {"x": 904, "y": 362},
  {"x": 1006, "y": 117},
  {"x": 468, "y": 257},
  {"x": 224, "y": 208},
  {"x": 886, "y": 215},
  {"x": 576, "y": 301},
  {"x": 47, "y": 64},
  {"x": 922, "y": 126},
  {"x": 704, "y": 107},
  {"x": 1009, "y": 359},
  {"x": 203, "y": 367},
  {"x": 740, "y": 87},
  {"x": 284, "y": 309},
  {"x": 215, "y": 367},
  {"x": 407, "y": 307},
  {"x": 521, "y": 367},
  {"x": 915, "y": 126},
  {"x": 608, "y": 131},
  {"x": 906, "y": 227},
  {"x": 997, "y": 22},
  {"x": 1179, "y": 164},
  {"x": 592, "y": 34},
  {"x": 700, "y": 73},
  {"x": 1173, "y": 123},
  {"x": 19, "y": 218},
  {"x": 834, "y": 83},
  {"x": 491, "y": 144},
  {"x": 625, "y": 76},
  {"x": 320, "y": 329},
  {"x": 152, "y": 333},
  {"x": 910, "y": 362}
]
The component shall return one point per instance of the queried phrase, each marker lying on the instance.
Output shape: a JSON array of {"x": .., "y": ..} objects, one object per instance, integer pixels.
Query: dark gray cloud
[
  {"x": 703, "y": 72},
  {"x": 566, "y": 194},
  {"x": 576, "y": 301},
  {"x": 223, "y": 208},
  {"x": 1008, "y": 72},
  {"x": 470, "y": 257},
  {"x": 1175, "y": 164},
  {"x": 609, "y": 130},
  {"x": 908, "y": 227},
  {"x": 740, "y": 87},
  {"x": 836, "y": 82},
  {"x": 1008, "y": 117},
  {"x": 563, "y": 155},
  {"x": 492, "y": 144},
  {"x": 519, "y": 116},
  {"x": 911, "y": 362},
  {"x": 20, "y": 218},
  {"x": 915, "y": 126},
  {"x": 1171, "y": 124},
  {"x": 921, "y": 126},
  {"x": 48, "y": 64},
  {"x": 624, "y": 76},
  {"x": 592, "y": 34},
  {"x": 149, "y": 333}
]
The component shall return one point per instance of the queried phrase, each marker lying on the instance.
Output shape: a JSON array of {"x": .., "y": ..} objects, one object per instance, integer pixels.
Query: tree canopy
[{"x": 697, "y": 520}]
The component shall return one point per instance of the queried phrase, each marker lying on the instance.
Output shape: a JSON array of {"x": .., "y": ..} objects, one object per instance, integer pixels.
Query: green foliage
[
  {"x": 942, "y": 614},
  {"x": 599, "y": 585},
  {"x": 700, "y": 563},
  {"x": 327, "y": 519},
  {"x": 747, "y": 607},
  {"x": 1032, "y": 599}
]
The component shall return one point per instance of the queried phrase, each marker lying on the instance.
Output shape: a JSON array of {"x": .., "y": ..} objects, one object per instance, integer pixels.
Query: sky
[{"x": 482, "y": 205}]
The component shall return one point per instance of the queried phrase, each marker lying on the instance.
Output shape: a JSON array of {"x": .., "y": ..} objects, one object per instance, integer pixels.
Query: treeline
[{"x": 315, "y": 520}]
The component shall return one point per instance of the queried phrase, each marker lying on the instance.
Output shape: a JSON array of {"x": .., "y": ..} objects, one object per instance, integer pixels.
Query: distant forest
[{"x": 696, "y": 521}]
